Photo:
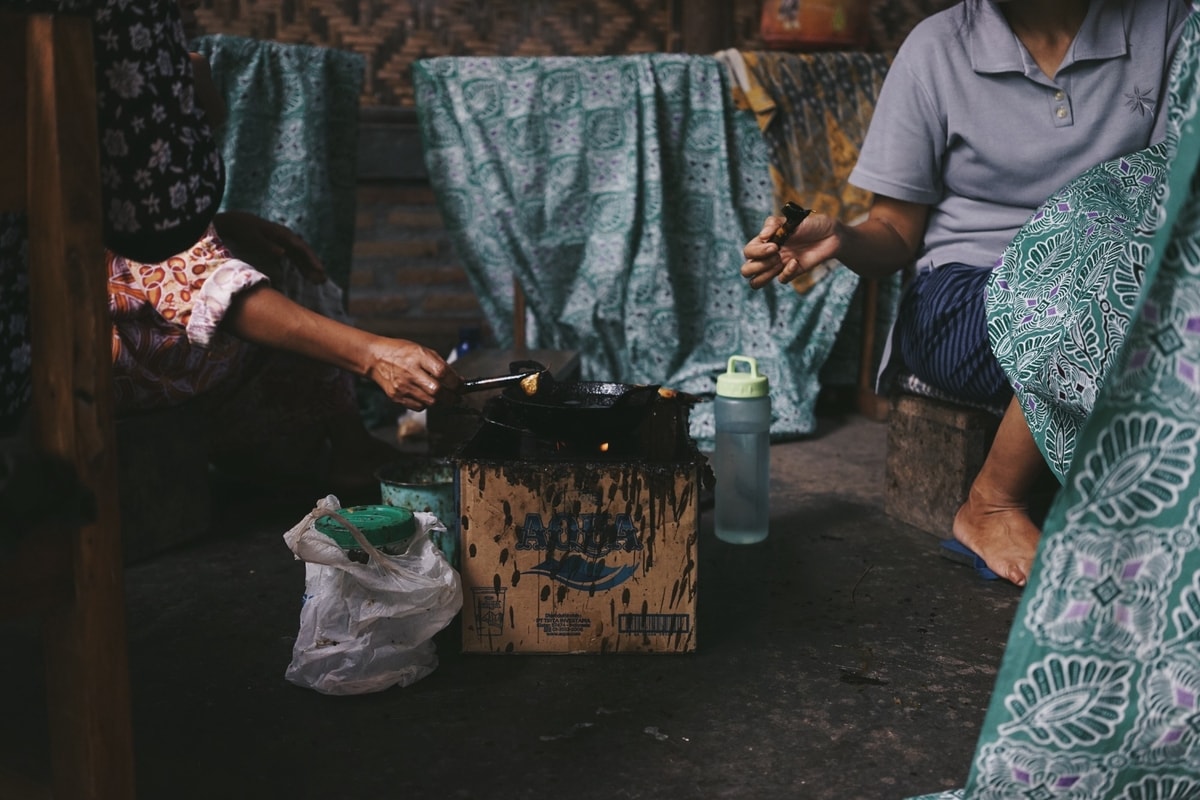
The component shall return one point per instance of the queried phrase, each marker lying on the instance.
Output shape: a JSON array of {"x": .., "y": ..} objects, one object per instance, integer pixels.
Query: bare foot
[{"x": 999, "y": 532}]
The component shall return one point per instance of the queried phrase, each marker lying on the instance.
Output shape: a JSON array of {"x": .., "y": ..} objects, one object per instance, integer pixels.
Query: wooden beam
[
  {"x": 870, "y": 405},
  {"x": 87, "y": 667},
  {"x": 706, "y": 25}
]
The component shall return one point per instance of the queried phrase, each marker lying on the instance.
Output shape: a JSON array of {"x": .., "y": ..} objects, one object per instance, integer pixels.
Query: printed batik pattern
[
  {"x": 161, "y": 172},
  {"x": 1172, "y": 350},
  {"x": 1060, "y": 300},
  {"x": 290, "y": 140},
  {"x": 1101, "y": 587},
  {"x": 1098, "y": 696},
  {"x": 1099, "y": 693},
  {"x": 620, "y": 191}
]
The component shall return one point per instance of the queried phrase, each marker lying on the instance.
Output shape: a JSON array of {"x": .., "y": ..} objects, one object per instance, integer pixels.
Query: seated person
[
  {"x": 276, "y": 377},
  {"x": 152, "y": 134},
  {"x": 191, "y": 320},
  {"x": 986, "y": 111}
]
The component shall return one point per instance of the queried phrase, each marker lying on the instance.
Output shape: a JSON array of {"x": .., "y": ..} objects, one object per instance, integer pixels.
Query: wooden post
[
  {"x": 520, "y": 337},
  {"x": 706, "y": 26},
  {"x": 86, "y": 649},
  {"x": 870, "y": 405}
]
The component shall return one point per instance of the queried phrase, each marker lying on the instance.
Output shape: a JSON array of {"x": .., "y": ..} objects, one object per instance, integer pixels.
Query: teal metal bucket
[{"x": 425, "y": 484}]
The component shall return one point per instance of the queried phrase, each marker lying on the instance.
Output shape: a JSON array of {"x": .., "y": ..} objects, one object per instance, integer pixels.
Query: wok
[{"x": 571, "y": 411}]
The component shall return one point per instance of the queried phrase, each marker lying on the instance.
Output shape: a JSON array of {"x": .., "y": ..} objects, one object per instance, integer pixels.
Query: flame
[{"x": 604, "y": 447}]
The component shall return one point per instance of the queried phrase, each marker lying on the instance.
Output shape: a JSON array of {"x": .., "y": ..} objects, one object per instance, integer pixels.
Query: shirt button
[
  {"x": 1061, "y": 113},
  {"x": 1060, "y": 94}
]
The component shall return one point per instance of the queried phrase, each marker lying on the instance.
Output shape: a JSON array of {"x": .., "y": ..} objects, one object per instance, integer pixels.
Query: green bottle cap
[
  {"x": 735, "y": 383},
  {"x": 383, "y": 526}
]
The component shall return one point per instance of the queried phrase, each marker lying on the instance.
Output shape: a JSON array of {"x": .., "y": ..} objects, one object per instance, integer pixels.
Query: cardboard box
[{"x": 579, "y": 557}]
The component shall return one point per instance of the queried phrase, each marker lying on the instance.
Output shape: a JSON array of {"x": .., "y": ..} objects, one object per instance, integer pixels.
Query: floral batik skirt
[{"x": 1095, "y": 313}]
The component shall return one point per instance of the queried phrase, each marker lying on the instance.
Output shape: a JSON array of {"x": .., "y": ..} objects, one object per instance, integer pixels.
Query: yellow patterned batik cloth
[{"x": 813, "y": 110}]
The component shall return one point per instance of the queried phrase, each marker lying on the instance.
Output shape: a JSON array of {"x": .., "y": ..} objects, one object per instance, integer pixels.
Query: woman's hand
[
  {"x": 409, "y": 374},
  {"x": 265, "y": 245},
  {"x": 815, "y": 240}
]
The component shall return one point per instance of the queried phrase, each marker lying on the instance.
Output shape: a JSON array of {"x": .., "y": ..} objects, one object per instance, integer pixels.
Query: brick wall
[{"x": 405, "y": 280}]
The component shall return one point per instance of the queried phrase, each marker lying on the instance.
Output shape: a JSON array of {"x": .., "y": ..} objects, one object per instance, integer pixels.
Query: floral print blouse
[
  {"x": 166, "y": 346},
  {"x": 161, "y": 170}
]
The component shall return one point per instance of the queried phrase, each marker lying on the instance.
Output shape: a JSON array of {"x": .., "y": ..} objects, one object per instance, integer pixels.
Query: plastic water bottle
[{"x": 742, "y": 458}]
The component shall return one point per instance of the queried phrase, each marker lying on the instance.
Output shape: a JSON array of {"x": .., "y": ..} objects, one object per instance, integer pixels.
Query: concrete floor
[{"x": 842, "y": 658}]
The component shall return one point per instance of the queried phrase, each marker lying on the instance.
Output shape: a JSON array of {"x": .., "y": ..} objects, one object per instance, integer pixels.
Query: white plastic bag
[{"x": 368, "y": 627}]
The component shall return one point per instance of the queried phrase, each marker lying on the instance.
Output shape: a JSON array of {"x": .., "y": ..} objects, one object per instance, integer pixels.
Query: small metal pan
[{"x": 526, "y": 376}]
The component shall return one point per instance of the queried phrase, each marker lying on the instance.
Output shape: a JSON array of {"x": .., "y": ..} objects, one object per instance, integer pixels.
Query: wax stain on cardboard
[{"x": 579, "y": 557}]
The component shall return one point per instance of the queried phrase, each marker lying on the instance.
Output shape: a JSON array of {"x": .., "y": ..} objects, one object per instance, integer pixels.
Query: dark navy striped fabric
[{"x": 941, "y": 334}]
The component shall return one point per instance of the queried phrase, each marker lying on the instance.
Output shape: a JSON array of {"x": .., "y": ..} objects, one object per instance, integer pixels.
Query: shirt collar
[{"x": 995, "y": 48}]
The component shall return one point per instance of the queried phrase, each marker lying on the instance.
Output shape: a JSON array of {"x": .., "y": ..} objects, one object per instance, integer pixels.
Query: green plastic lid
[
  {"x": 383, "y": 526},
  {"x": 734, "y": 383}
]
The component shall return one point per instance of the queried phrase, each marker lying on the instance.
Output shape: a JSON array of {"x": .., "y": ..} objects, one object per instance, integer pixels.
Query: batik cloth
[
  {"x": 166, "y": 347},
  {"x": 1061, "y": 300},
  {"x": 620, "y": 192},
  {"x": 813, "y": 110},
  {"x": 160, "y": 168},
  {"x": 1098, "y": 695},
  {"x": 290, "y": 142}
]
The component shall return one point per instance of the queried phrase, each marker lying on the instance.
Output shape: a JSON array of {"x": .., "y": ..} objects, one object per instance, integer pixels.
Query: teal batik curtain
[
  {"x": 291, "y": 140},
  {"x": 1098, "y": 695},
  {"x": 620, "y": 192}
]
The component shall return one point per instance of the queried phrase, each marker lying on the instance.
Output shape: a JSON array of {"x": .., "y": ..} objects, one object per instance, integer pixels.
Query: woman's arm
[
  {"x": 411, "y": 375},
  {"x": 887, "y": 241}
]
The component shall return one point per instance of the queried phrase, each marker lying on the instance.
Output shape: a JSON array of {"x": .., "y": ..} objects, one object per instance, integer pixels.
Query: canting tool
[{"x": 793, "y": 215}]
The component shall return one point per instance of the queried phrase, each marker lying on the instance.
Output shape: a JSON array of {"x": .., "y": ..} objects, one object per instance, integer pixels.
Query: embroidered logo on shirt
[{"x": 1139, "y": 101}]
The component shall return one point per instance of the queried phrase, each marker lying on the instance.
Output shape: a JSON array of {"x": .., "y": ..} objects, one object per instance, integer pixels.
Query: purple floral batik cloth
[
  {"x": 1061, "y": 299},
  {"x": 1097, "y": 309}
]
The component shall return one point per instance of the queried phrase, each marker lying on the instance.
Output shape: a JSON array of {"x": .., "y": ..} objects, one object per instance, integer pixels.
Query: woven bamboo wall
[{"x": 391, "y": 34}]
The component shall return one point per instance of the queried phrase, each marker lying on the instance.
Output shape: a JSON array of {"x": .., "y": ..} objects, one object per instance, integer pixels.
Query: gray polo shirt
[{"x": 968, "y": 124}]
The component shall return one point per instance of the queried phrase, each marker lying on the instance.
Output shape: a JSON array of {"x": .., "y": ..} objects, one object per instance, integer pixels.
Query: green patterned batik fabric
[
  {"x": 620, "y": 192},
  {"x": 1061, "y": 300},
  {"x": 290, "y": 143},
  {"x": 1098, "y": 695}
]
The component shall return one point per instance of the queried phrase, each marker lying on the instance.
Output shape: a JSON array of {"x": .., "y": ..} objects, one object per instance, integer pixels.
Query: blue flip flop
[{"x": 958, "y": 552}]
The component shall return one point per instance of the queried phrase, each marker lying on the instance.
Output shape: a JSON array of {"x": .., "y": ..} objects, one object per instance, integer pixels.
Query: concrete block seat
[{"x": 935, "y": 448}]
